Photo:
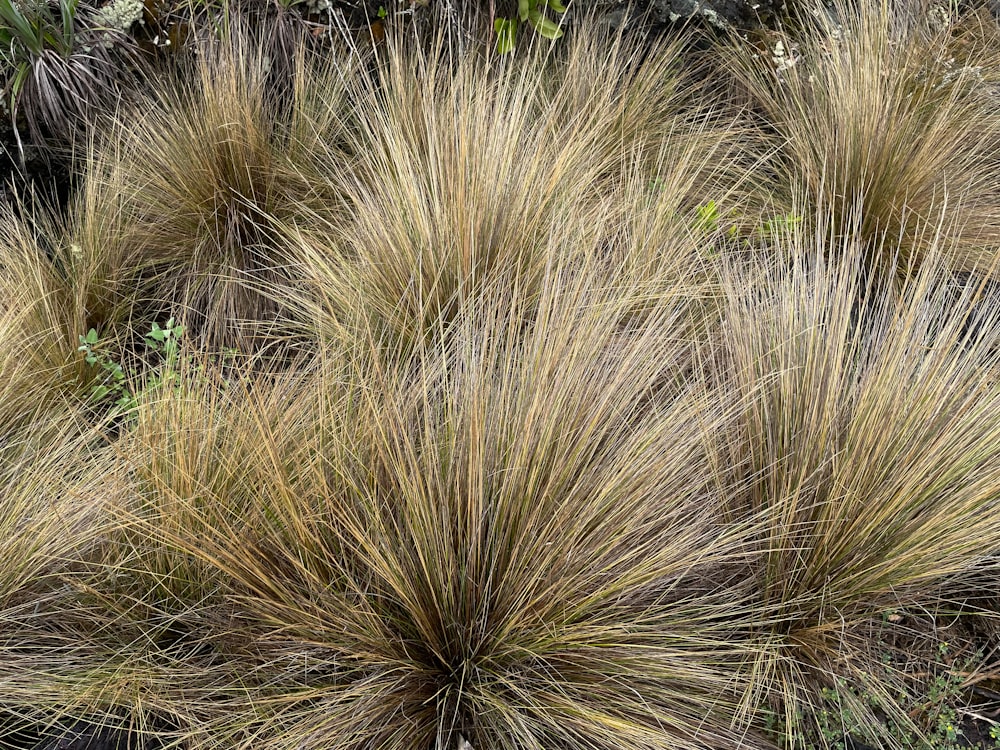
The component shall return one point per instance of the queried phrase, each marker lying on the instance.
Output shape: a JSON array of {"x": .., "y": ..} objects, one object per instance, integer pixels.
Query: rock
[{"x": 722, "y": 15}]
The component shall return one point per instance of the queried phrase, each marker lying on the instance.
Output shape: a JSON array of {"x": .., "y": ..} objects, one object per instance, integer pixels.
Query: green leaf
[
  {"x": 708, "y": 217},
  {"x": 22, "y": 74},
  {"x": 506, "y": 29},
  {"x": 543, "y": 25},
  {"x": 557, "y": 6},
  {"x": 524, "y": 8},
  {"x": 777, "y": 225},
  {"x": 27, "y": 32},
  {"x": 67, "y": 9},
  {"x": 382, "y": 12}
]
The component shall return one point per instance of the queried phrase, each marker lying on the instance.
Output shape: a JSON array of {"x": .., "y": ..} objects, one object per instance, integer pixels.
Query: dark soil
[{"x": 83, "y": 736}]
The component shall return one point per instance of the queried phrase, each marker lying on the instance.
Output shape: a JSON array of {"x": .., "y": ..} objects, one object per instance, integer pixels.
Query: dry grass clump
[
  {"x": 48, "y": 455},
  {"x": 182, "y": 660},
  {"x": 135, "y": 632},
  {"x": 876, "y": 104},
  {"x": 40, "y": 319},
  {"x": 510, "y": 536},
  {"x": 464, "y": 171},
  {"x": 187, "y": 195},
  {"x": 48, "y": 522},
  {"x": 870, "y": 448}
]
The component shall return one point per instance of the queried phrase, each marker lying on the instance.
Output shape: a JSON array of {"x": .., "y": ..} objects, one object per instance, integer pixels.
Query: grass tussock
[
  {"x": 886, "y": 106},
  {"x": 50, "y": 524},
  {"x": 489, "y": 538},
  {"x": 591, "y": 439},
  {"x": 467, "y": 171},
  {"x": 867, "y": 446},
  {"x": 40, "y": 318},
  {"x": 186, "y": 196}
]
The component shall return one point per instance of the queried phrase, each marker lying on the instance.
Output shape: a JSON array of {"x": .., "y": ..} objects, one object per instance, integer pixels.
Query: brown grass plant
[
  {"x": 509, "y": 533},
  {"x": 48, "y": 523},
  {"x": 878, "y": 104},
  {"x": 869, "y": 448},
  {"x": 563, "y": 463},
  {"x": 40, "y": 319},
  {"x": 186, "y": 194},
  {"x": 464, "y": 170},
  {"x": 132, "y": 632},
  {"x": 176, "y": 661}
]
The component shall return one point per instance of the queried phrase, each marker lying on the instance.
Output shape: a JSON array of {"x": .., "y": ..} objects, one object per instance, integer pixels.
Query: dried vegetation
[{"x": 550, "y": 400}]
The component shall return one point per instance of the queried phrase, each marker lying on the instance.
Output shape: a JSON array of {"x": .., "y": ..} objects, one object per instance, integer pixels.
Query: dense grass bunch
[
  {"x": 467, "y": 170},
  {"x": 869, "y": 449},
  {"x": 890, "y": 107},
  {"x": 187, "y": 195},
  {"x": 486, "y": 538},
  {"x": 40, "y": 317},
  {"x": 587, "y": 441}
]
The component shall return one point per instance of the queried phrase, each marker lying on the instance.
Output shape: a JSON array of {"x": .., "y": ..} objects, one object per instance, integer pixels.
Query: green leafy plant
[
  {"x": 532, "y": 11},
  {"x": 53, "y": 68},
  {"x": 707, "y": 217},
  {"x": 506, "y": 30},
  {"x": 29, "y": 32},
  {"x": 33, "y": 28},
  {"x": 166, "y": 341},
  {"x": 778, "y": 225},
  {"x": 112, "y": 380},
  {"x": 708, "y": 220}
]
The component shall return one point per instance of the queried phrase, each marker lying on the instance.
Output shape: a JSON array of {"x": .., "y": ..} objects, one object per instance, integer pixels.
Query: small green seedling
[
  {"x": 707, "y": 217},
  {"x": 112, "y": 380},
  {"x": 506, "y": 29},
  {"x": 165, "y": 341},
  {"x": 707, "y": 221},
  {"x": 778, "y": 226}
]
